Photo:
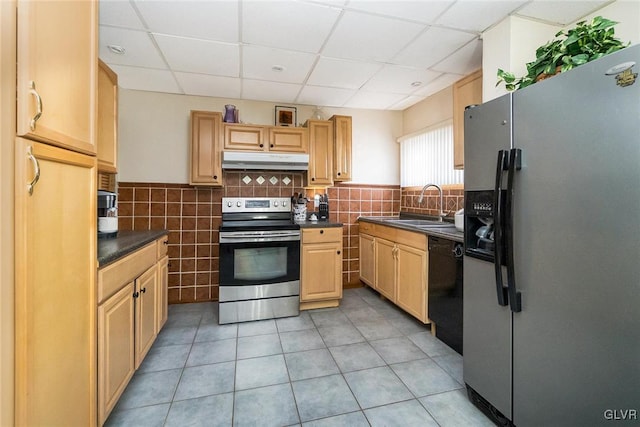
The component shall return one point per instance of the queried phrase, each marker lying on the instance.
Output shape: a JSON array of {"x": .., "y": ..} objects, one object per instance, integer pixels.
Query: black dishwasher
[{"x": 445, "y": 290}]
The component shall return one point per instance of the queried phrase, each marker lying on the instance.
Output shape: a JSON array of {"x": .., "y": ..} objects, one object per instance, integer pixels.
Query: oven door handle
[{"x": 251, "y": 238}]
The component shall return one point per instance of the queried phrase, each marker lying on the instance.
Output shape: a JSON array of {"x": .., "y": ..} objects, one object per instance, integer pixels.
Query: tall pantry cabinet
[{"x": 55, "y": 213}]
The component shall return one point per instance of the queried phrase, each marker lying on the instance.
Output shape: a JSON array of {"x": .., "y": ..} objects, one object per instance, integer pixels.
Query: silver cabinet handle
[
  {"x": 32, "y": 90},
  {"x": 36, "y": 168}
]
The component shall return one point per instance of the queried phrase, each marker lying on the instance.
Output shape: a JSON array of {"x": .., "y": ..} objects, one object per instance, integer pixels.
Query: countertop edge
[
  {"x": 319, "y": 224},
  {"x": 456, "y": 237},
  {"x": 126, "y": 242}
]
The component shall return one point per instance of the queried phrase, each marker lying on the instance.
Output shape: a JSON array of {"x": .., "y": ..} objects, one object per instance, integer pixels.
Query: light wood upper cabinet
[
  {"x": 320, "y": 171},
  {"x": 107, "y": 119},
  {"x": 206, "y": 155},
  {"x": 288, "y": 139},
  {"x": 239, "y": 137},
  {"x": 342, "y": 128},
  {"x": 55, "y": 292},
  {"x": 321, "y": 267},
  {"x": 467, "y": 91},
  {"x": 57, "y": 73}
]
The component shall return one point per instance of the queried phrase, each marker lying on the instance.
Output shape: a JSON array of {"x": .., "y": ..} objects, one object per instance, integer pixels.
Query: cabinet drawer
[
  {"x": 320, "y": 235},
  {"x": 366, "y": 227},
  {"x": 114, "y": 276},
  {"x": 163, "y": 244}
]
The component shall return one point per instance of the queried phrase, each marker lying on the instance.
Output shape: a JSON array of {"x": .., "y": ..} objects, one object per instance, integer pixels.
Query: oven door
[{"x": 248, "y": 260}]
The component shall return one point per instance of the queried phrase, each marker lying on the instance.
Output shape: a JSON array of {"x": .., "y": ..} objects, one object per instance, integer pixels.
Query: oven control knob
[
  {"x": 284, "y": 203},
  {"x": 229, "y": 204},
  {"x": 239, "y": 204},
  {"x": 275, "y": 204}
]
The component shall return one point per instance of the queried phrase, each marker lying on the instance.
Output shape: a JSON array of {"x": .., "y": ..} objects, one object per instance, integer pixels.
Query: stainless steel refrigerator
[{"x": 552, "y": 265}]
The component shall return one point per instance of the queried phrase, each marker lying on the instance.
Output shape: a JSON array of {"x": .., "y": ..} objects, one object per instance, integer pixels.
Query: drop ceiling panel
[
  {"x": 259, "y": 90},
  {"x": 415, "y": 10},
  {"x": 200, "y": 56},
  {"x": 258, "y": 63},
  {"x": 145, "y": 79},
  {"x": 395, "y": 79},
  {"x": 324, "y": 96},
  {"x": 562, "y": 12},
  {"x": 442, "y": 82},
  {"x": 140, "y": 51},
  {"x": 464, "y": 61},
  {"x": 477, "y": 15},
  {"x": 206, "y": 85},
  {"x": 432, "y": 47},
  {"x": 119, "y": 13},
  {"x": 340, "y": 73},
  {"x": 374, "y": 100},
  {"x": 287, "y": 25},
  {"x": 370, "y": 38},
  {"x": 209, "y": 20}
]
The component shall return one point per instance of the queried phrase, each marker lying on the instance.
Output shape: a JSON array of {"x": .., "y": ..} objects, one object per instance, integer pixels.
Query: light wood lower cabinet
[
  {"x": 321, "y": 268},
  {"x": 132, "y": 308},
  {"x": 394, "y": 262}
]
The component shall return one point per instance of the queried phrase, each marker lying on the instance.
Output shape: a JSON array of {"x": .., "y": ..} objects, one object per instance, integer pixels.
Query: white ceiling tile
[
  {"x": 206, "y": 85},
  {"x": 260, "y": 90},
  {"x": 210, "y": 20},
  {"x": 414, "y": 10},
  {"x": 477, "y": 15},
  {"x": 287, "y": 25},
  {"x": 324, "y": 96},
  {"x": 373, "y": 100},
  {"x": 145, "y": 79},
  {"x": 370, "y": 38},
  {"x": 140, "y": 50},
  {"x": 464, "y": 61},
  {"x": 200, "y": 56},
  {"x": 406, "y": 102},
  {"x": 257, "y": 63},
  {"x": 560, "y": 12},
  {"x": 445, "y": 80},
  {"x": 395, "y": 79},
  {"x": 119, "y": 13},
  {"x": 340, "y": 73},
  {"x": 432, "y": 46}
]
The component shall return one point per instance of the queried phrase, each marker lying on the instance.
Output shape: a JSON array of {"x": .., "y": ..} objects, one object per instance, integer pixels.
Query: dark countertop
[
  {"x": 391, "y": 221},
  {"x": 112, "y": 249},
  {"x": 319, "y": 224}
]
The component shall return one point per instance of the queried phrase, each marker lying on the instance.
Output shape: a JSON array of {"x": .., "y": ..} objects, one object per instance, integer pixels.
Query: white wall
[{"x": 154, "y": 136}]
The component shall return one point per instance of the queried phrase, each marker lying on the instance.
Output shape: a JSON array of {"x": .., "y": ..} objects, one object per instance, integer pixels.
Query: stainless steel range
[{"x": 259, "y": 260}]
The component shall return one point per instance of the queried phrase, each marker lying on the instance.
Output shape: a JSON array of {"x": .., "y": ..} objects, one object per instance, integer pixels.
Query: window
[{"x": 427, "y": 157}]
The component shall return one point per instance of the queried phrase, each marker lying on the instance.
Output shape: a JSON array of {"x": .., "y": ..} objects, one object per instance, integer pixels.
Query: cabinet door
[
  {"x": 244, "y": 138},
  {"x": 116, "y": 361},
  {"x": 146, "y": 292},
  {"x": 412, "y": 281},
  {"x": 288, "y": 140},
  {"x": 206, "y": 161},
  {"x": 467, "y": 91},
  {"x": 55, "y": 297},
  {"x": 321, "y": 271},
  {"x": 320, "y": 153},
  {"x": 107, "y": 119},
  {"x": 163, "y": 280},
  {"x": 385, "y": 256},
  {"x": 342, "y": 148},
  {"x": 57, "y": 64},
  {"x": 367, "y": 259}
]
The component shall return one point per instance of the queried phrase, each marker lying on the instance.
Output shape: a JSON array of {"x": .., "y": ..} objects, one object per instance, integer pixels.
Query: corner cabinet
[
  {"x": 132, "y": 308},
  {"x": 394, "y": 262},
  {"x": 466, "y": 91},
  {"x": 206, "y": 153},
  {"x": 57, "y": 104},
  {"x": 342, "y": 128},
  {"x": 107, "y": 119},
  {"x": 321, "y": 267},
  {"x": 240, "y": 137},
  {"x": 320, "y": 171}
]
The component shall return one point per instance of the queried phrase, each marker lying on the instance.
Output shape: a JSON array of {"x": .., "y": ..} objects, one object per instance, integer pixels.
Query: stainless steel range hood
[{"x": 268, "y": 161}]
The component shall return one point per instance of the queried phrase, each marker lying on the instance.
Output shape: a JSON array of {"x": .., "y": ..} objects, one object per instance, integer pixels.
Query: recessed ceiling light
[
  {"x": 416, "y": 84},
  {"x": 118, "y": 50},
  {"x": 277, "y": 68}
]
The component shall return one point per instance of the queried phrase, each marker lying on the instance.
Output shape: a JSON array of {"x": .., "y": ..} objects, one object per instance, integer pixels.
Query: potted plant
[{"x": 571, "y": 48}]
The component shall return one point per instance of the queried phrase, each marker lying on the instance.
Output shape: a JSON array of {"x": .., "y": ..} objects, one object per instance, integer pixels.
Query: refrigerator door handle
[
  {"x": 501, "y": 166},
  {"x": 515, "y": 298}
]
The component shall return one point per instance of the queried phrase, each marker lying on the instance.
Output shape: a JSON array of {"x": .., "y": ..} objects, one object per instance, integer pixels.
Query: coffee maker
[{"x": 107, "y": 214}]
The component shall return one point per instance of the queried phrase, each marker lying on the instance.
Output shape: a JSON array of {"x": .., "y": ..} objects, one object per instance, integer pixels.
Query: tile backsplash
[{"x": 192, "y": 215}]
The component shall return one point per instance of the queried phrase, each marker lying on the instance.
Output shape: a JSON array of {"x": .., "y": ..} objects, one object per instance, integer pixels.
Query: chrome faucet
[{"x": 421, "y": 198}]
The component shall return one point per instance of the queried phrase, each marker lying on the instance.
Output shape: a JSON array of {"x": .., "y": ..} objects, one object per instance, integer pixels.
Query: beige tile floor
[{"x": 364, "y": 363}]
